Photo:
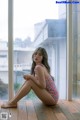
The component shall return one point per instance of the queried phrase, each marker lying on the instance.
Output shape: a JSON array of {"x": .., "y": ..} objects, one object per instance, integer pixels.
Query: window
[
  {"x": 33, "y": 27},
  {"x": 3, "y": 49}
]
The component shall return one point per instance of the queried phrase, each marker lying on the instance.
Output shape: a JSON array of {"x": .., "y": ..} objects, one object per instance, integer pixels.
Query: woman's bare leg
[
  {"x": 25, "y": 89},
  {"x": 41, "y": 93},
  {"x": 20, "y": 94}
]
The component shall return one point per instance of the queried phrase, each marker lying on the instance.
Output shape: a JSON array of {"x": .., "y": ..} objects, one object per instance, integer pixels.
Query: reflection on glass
[{"x": 3, "y": 49}]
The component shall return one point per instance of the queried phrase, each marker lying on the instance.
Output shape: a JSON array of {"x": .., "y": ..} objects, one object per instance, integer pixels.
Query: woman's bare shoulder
[{"x": 39, "y": 67}]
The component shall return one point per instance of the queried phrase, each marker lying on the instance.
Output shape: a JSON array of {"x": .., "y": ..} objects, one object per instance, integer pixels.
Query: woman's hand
[{"x": 27, "y": 77}]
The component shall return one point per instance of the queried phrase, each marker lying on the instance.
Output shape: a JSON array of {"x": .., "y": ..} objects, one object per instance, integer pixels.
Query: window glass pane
[
  {"x": 76, "y": 51},
  {"x": 37, "y": 24},
  {"x": 3, "y": 49}
]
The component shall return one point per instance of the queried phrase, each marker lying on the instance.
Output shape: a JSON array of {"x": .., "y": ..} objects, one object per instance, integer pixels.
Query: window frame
[
  {"x": 69, "y": 52},
  {"x": 10, "y": 48}
]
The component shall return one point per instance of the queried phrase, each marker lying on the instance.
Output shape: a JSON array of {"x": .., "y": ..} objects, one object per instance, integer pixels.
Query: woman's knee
[
  {"x": 30, "y": 82},
  {"x": 27, "y": 83}
]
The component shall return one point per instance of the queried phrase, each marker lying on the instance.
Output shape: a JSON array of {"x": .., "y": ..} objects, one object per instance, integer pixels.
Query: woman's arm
[{"x": 39, "y": 77}]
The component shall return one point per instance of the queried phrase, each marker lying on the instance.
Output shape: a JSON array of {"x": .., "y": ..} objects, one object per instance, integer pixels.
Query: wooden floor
[{"x": 36, "y": 110}]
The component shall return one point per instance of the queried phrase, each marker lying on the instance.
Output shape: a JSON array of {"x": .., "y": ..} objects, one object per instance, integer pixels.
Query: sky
[{"x": 25, "y": 14}]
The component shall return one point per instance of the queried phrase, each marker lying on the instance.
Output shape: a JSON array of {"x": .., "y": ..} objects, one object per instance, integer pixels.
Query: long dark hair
[{"x": 44, "y": 60}]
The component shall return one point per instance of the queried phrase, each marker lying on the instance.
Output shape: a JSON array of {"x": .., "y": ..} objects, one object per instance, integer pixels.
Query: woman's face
[{"x": 37, "y": 57}]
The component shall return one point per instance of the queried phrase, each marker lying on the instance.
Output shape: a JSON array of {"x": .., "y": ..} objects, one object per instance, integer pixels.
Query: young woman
[{"x": 40, "y": 81}]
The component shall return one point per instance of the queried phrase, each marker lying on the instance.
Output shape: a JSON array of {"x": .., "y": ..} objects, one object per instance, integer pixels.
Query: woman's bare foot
[{"x": 9, "y": 105}]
